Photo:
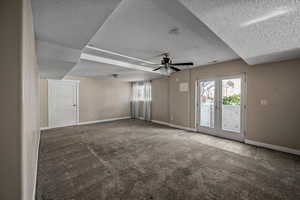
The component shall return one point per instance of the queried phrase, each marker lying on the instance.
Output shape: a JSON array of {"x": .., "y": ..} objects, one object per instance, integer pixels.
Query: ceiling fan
[{"x": 167, "y": 64}]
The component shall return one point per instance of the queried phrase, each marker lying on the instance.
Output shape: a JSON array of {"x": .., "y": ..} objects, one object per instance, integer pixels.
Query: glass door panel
[
  {"x": 231, "y": 105},
  {"x": 207, "y": 104},
  {"x": 221, "y": 106}
]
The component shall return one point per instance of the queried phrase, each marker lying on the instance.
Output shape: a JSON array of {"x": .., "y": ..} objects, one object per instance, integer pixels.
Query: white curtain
[
  {"x": 147, "y": 100},
  {"x": 135, "y": 101},
  {"x": 141, "y": 98}
]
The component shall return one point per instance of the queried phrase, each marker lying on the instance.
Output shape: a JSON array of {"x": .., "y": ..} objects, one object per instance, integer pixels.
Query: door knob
[{"x": 74, "y": 105}]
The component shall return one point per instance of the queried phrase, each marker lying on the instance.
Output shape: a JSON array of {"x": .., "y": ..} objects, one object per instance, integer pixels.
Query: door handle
[{"x": 74, "y": 105}]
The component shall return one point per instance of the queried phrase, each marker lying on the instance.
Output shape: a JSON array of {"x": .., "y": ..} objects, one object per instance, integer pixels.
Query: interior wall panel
[
  {"x": 278, "y": 83},
  {"x": 98, "y": 99}
]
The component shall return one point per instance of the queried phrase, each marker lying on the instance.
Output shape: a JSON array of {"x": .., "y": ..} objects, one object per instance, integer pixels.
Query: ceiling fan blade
[
  {"x": 176, "y": 69},
  {"x": 187, "y": 63},
  {"x": 156, "y": 69}
]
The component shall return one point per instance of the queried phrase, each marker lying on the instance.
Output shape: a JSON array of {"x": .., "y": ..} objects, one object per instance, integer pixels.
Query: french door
[{"x": 221, "y": 106}]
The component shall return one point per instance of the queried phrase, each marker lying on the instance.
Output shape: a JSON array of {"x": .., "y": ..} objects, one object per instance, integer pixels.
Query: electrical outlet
[{"x": 172, "y": 117}]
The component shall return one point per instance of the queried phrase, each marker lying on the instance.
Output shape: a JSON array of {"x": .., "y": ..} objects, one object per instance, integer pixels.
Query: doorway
[
  {"x": 221, "y": 106},
  {"x": 63, "y": 103}
]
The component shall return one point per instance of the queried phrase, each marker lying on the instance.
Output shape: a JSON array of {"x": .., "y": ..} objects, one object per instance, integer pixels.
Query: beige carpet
[{"x": 131, "y": 159}]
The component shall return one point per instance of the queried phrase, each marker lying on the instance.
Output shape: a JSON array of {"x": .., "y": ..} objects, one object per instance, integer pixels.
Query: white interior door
[
  {"x": 63, "y": 102},
  {"x": 221, "y": 106}
]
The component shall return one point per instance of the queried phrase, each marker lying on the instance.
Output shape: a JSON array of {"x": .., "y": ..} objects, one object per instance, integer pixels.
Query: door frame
[
  {"x": 217, "y": 131},
  {"x": 52, "y": 83}
]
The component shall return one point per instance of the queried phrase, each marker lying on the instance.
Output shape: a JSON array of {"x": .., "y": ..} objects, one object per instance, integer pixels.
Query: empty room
[{"x": 150, "y": 99}]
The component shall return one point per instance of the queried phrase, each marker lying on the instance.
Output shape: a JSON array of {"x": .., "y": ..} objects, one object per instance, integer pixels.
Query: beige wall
[
  {"x": 43, "y": 103},
  {"x": 10, "y": 106},
  {"x": 98, "y": 99},
  {"x": 179, "y": 101},
  {"x": 30, "y": 109},
  {"x": 160, "y": 99},
  {"x": 19, "y": 109},
  {"x": 278, "y": 83}
]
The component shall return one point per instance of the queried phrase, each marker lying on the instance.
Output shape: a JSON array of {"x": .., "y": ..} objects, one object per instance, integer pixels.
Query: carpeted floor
[{"x": 137, "y": 160}]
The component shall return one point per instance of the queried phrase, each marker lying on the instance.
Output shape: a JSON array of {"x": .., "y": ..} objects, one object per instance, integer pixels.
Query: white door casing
[
  {"x": 217, "y": 129},
  {"x": 63, "y": 103}
]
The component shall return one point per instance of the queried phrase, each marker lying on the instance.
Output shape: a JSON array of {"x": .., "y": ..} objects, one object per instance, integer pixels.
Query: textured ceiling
[
  {"x": 258, "y": 31},
  {"x": 63, "y": 28},
  {"x": 201, "y": 31},
  {"x": 93, "y": 69},
  {"x": 70, "y": 23},
  {"x": 103, "y": 71},
  {"x": 55, "y": 61},
  {"x": 145, "y": 28}
]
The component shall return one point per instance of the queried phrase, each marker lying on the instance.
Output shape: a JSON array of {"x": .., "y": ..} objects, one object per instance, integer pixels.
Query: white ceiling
[
  {"x": 55, "y": 60},
  {"x": 103, "y": 71},
  {"x": 70, "y": 23},
  {"x": 94, "y": 69},
  {"x": 140, "y": 28},
  {"x": 132, "y": 76},
  {"x": 63, "y": 28},
  {"x": 201, "y": 31},
  {"x": 258, "y": 31}
]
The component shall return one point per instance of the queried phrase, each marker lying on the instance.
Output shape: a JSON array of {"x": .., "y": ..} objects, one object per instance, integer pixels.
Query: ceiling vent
[{"x": 174, "y": 31}]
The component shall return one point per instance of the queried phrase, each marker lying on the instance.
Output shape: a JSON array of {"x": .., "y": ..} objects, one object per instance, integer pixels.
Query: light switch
[{"x": 263, "y": 102}]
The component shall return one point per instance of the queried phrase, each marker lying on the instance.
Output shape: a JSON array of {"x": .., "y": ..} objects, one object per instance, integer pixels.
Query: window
[{"x": 141, "y": 91}]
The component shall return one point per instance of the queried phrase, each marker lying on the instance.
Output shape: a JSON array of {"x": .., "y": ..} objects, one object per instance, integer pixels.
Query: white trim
[
  {"x": 67, "y": 80},
  {"x": 273, "y": 147},
  {"x": 196, "y": 108},
  {"x": 104, "y": 120},
  {"x": 217, "y": 130},
  {"x": 88, "y": 122},
  {"x": 36, "y": 170},
  {"x": 51, "y": 83},
  {"x": 225, "y": 135},
  {"x": 121, "y": 55},
  {"x": 45, "y": 128},
  {"x": 160, "y": 122},
  {"x": 99, "y": 59},
  {"x": 173, "y": 125},
  {"x": 250, "y": 142}
]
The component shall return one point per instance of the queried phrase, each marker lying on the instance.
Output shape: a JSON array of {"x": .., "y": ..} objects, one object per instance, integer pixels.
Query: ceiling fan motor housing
[{"x": 165, "y": 60}]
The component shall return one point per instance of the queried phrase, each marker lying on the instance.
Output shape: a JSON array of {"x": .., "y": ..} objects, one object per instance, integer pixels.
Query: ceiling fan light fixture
[{"x": 169, "y": 66}]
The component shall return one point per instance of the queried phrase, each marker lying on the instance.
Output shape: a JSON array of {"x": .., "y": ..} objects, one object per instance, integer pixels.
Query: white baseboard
[
  {"x": 90, "y": 122},
  {"x": 273, "y": 147},
  {"x": 36, "y": 169},
  {"x": 103, "y": 120},
  {"x": 160, "y": 122},
  {"x": 251, "y": 142},
  {"x": 173, "y": 125},
  {"x": 45, "y": 128}
]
